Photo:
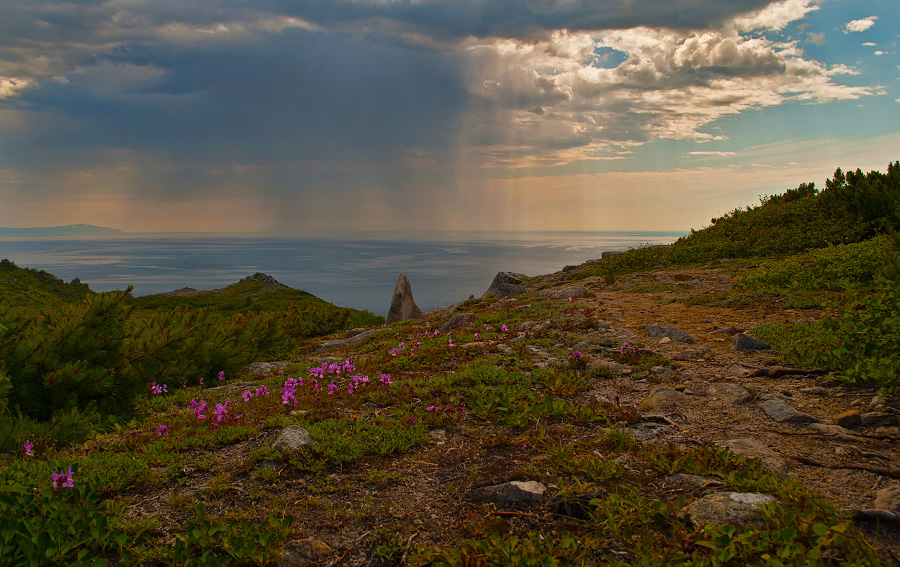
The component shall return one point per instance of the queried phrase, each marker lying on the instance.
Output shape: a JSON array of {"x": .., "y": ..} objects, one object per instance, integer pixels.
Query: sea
[{"x": 356, "y": 270}]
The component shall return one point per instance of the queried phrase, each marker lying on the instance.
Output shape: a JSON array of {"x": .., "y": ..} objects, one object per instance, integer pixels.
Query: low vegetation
[{"x": 132, "y": 433}]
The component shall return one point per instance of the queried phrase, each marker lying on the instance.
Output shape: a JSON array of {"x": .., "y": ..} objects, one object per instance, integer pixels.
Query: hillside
[
  {"x": 664, "y": 406},
  {"x": 37, "y": 289}
]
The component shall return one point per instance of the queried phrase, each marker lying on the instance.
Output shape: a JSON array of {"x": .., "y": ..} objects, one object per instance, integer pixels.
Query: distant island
[{"x": 58, "y": 230}]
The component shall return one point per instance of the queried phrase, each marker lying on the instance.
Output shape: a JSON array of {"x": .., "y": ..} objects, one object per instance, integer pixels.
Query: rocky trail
[{"x": 716, "y": 386}]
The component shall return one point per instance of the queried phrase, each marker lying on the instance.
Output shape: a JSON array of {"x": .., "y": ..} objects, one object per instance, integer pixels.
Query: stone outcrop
[
  {"x": 507, "y": 283},
  {"x": 403, "y": 306},
  {"x": 573, "y": 291}
]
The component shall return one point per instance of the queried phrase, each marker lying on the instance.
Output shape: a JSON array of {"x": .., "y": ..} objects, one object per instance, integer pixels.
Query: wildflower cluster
[
  {"x": 628, "y": 350},
  {"x": 157, "y": 389}
]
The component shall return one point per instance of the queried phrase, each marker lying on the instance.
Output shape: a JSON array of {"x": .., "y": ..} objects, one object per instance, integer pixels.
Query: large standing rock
[
  {"x": 507, "y": 283},
  {"x": 515, "y": 491},
  {"x": 403, "y": 306},
  {"x": 743, "y": 341}
]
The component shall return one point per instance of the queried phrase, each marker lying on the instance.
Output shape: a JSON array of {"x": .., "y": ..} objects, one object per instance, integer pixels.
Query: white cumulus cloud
[
  {"x": 776, "y": 15},
  {"x": 860, "y": 25}
]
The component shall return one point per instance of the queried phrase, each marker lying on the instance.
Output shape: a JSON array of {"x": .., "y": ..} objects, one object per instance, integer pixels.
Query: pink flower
[
  {"x": 221, "y": 411},
  {"x": 431, "y": 408},
  {"x": 331, "y": 388},
  {"x": 162, "y": 430},
  {"x": 570, "y": 298},
  {"x": 199, "y": 408},
  {"x": 261, "y": 391},
  {"x": 393, "y": 352},
  {"x": 65, "y": 476},
  {"x": 386, "y": 379},
  {"x": 504, "y": 328},
  {"x": 247, "y": 395},
  {"x": 221, "y": 375},
  {"x": 28, "y": 448},
  {"x": 450, "y": 342}
]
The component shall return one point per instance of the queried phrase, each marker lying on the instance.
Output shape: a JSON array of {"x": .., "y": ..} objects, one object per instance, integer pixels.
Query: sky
[{"x": 307, "y": 116}]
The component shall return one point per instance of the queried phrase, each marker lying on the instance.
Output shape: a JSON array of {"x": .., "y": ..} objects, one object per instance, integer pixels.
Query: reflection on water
[{"x": 357, "y": 270}]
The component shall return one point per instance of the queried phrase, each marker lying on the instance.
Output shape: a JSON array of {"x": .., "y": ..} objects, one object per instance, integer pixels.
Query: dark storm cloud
[{"x": 290, "y": 96}]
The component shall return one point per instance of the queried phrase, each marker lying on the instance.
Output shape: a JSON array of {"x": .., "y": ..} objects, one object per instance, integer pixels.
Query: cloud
[
  {"x": 879, "y": 52},
  {"x": 870, "y": 44},
  {"x": 670, "y": 85},
  {"x": 816, "y": 38},
  {"x": 712, "y": 153},
  {"x": 776, "y": 15},
  {"x": 12, "y": 86},
  {"x": 860, "y": 25}
]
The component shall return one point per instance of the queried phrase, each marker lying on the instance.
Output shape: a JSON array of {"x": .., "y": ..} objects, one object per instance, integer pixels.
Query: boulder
[
  {"x": 673, "y": 333},
  {"x": 403, "y": 306},
  {"x": 662, "y": 397},
  {"x": 507, "y": 283}
]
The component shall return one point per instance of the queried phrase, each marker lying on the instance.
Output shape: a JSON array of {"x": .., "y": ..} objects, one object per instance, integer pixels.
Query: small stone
[
  {"x": 756, "y": 450},
  {"x": 648, "y": 430},
  {"x": 744, "y": 341},
  {"x": 438, "y": 436},
  {"x": 292, "y": 438},
  {"x": 731, "y": 393},
  {"x": 456, "y": 321},
  {"x": 739, "y": 370},
  {"x": 736, "y": 508},
  {"x": 665, "y": 340},
  {"x": 515, "y": 491},
  {"x": 694, "y": 481},
  {"x": 662, "y": 397},
  {"x": 305, "y": 552},
  {"x": 673, "y": 333},
  {"x": 888, "y": 499},
  {"x": 573, "y": 291},
  {"x": 835, "y": 432},
  {"x": 847, "y": 419},
  {"x": 876, "y": 418},
  {"x": 783, "y": 413},
  {"x": 727, "y": 331}
]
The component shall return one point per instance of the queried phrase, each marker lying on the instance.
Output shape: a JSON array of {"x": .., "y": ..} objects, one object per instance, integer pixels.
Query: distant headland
[{"x": 58, "y": 230}]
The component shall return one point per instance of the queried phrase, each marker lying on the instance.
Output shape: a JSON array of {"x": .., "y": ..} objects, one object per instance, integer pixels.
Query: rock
[
  {"x": 573, "y": 291},
  {"x": 305, "y": 552},
  {"x": 731, "y": 393},
  {"x": 662, "y": 397},
  {"x": 292, "y": 438},
  {"x": 755, "y": 450},
  {"x": 403, "y": 306},
  {"x": 698, "y": 352},
  {"x": 648, "y": 430},
  {"x": 674, "y": 333},
  {"x": 783, "y": 413},
  {"x": 736, "y": 508},
  {"x": 266, "y": 367},
  {"x": 847, "y": 419},
  {"x": 888, "y": 499},
  {"x": 743, "y": 341},
  {"x": 694, "y": 481},
  {"x": 835, "y": 432},
  {"x": 507, "y": 283},
  {"x": 438, "y": 436},
  {"x": 727, "y": 331},
  {"x": 739, "y": 370},
  {"x": 610, "y": 254},
  {"x": 456, "y": 321},
  {"x": 876, "y": 418},
  {"x": 665, "y": 340},
  {"x": 349, "y": 341},
  {"x": 515, "y": 491}
]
